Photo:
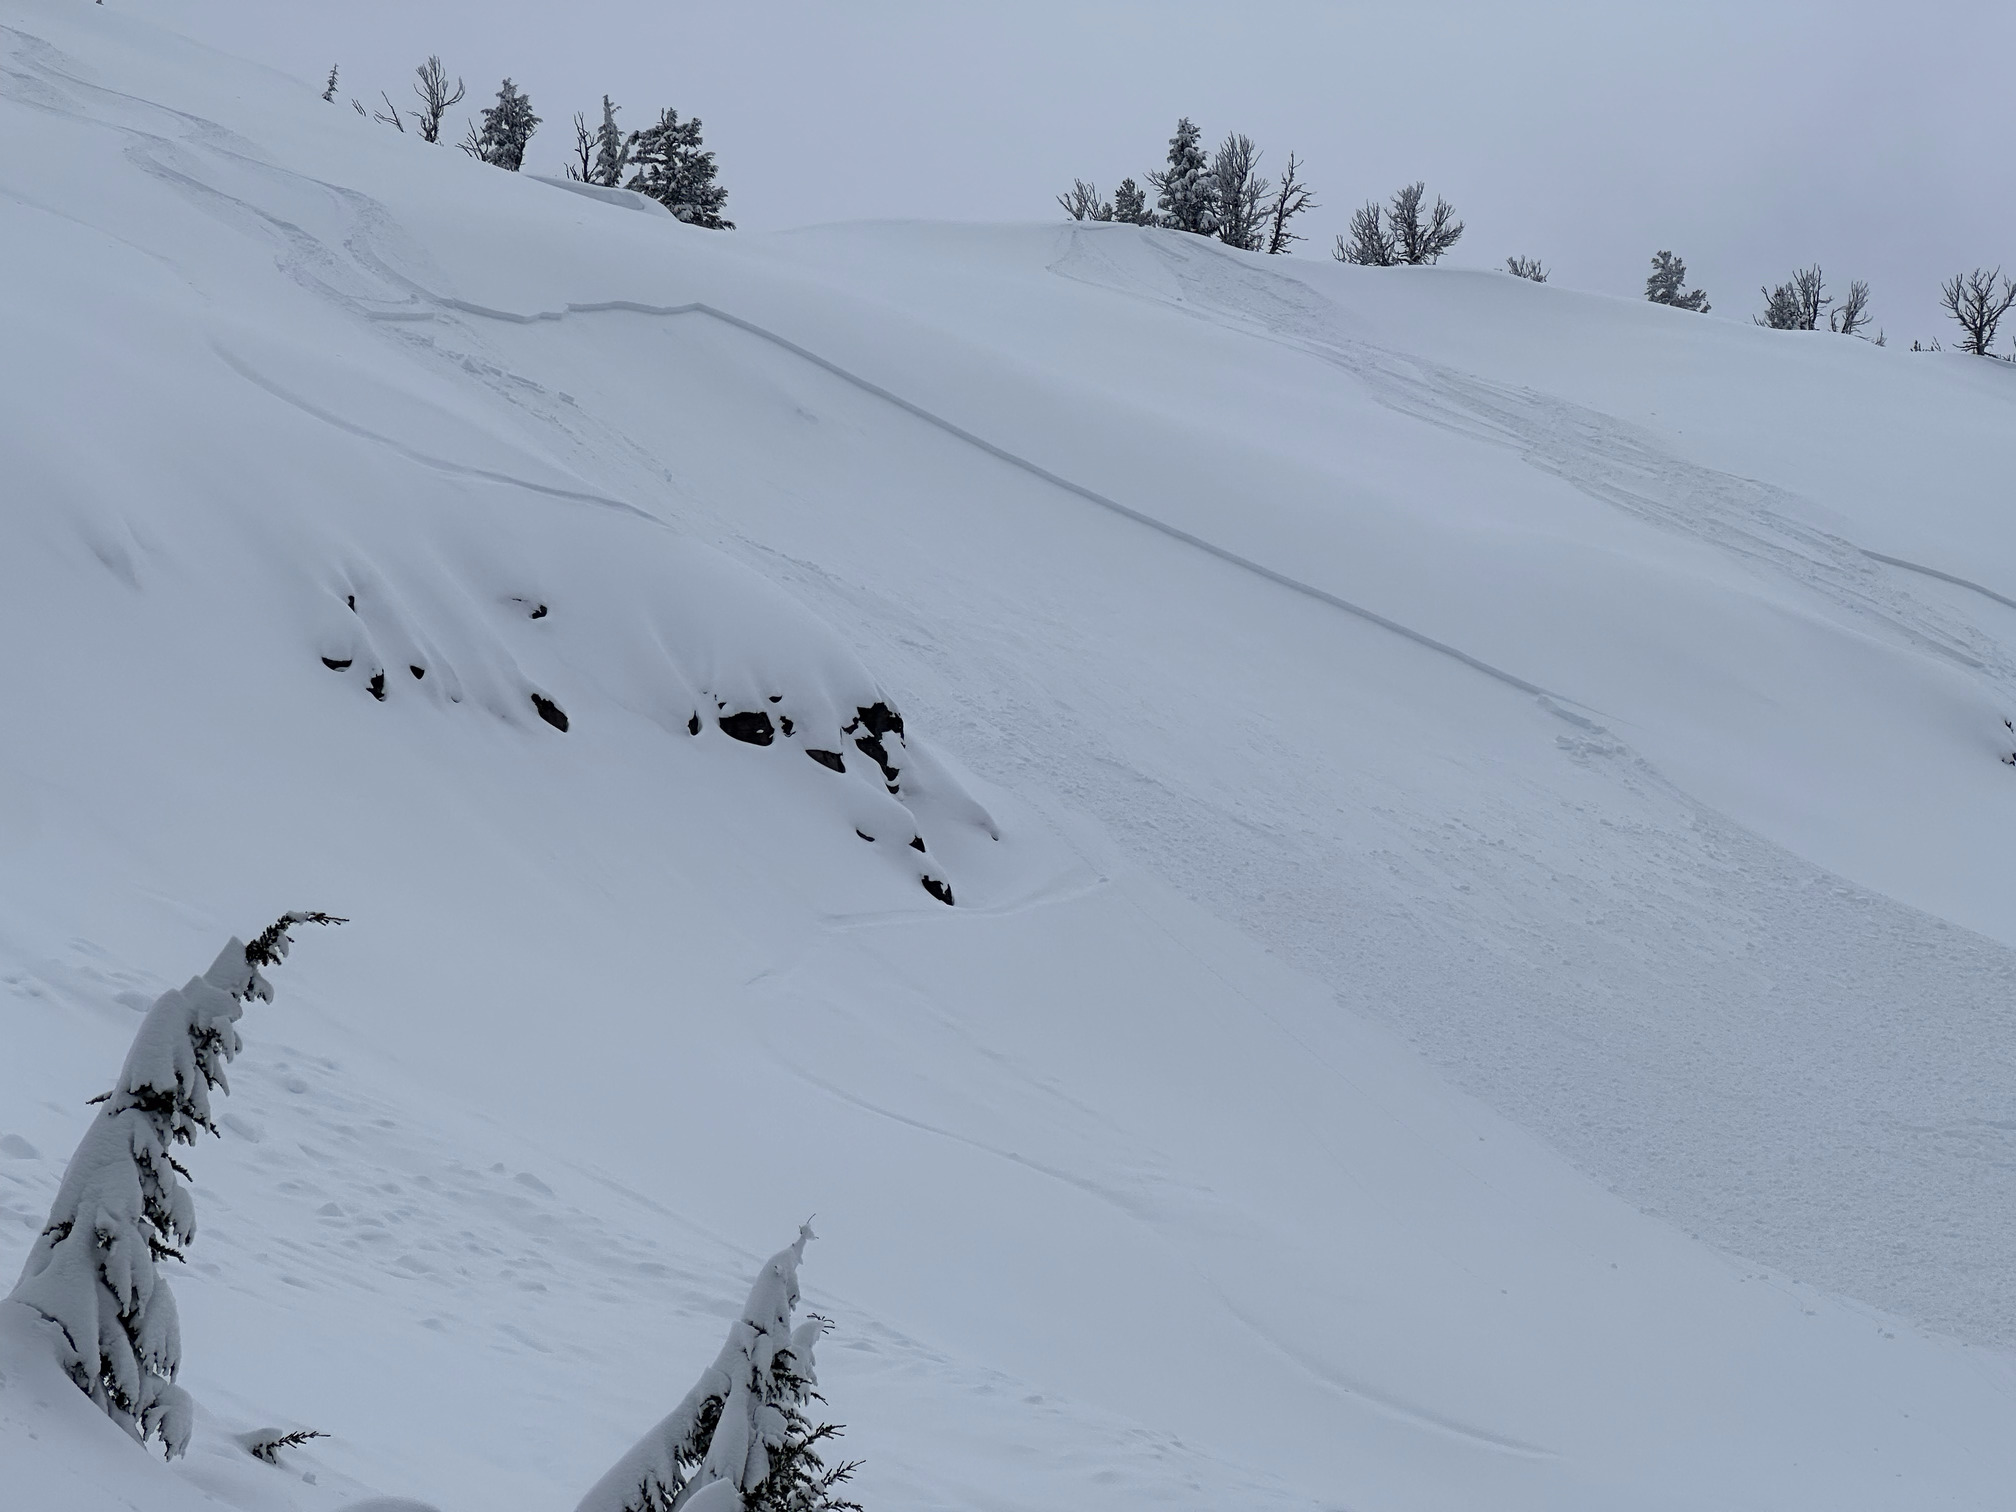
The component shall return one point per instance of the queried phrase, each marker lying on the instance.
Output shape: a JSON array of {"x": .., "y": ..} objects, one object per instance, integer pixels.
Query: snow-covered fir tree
[
  {"x": 329, "y": 94},
  {"x": 93, "y": 1273},
  {"x": 676, "y": 170},
  {"x": 743, "y": 1440},
  {"x": 1130, "y": 204},
  {"x": 1667, "y": 285},
  {"x": 612, "y": 149},
  {"x": 1186, "y": 199},
  {"x": 506, "y": 128}
]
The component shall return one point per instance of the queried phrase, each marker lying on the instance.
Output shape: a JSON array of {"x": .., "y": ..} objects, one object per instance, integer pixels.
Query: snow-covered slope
[{"x": 1294, "y": 662}]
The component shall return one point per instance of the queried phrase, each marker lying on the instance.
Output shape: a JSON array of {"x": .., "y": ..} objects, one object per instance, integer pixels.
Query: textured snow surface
[{"x": 1482, "y": 957}]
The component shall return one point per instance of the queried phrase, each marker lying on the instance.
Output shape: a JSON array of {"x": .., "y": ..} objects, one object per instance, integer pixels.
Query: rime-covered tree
[
  {"x": 1291, "y": 198},
  {"x": 435, "y": 97},
  {"x": 1974, "y": 301},
  {"x": 1852, "y": 314},
  {"x": 1130, "y": 204},
  {"x": 674, "y": 168},
  {"x": 743, "y": 1440},
  {"x": 1526, "y": 267},
  {"x": 1420, "y": 238},
  {"x": 93, "y": 1273},
  {"x": 1083, "y": 202},
  {"x": 1369, "y": 244},
  {"x": 1798, "y": 303},
  {"x": 506, "y": 128},
  {"x": 1667, "y": 285},
  {"x": 1184, "y": 184},
  {"x": 1239, "y": 192},
  {"x": 329, "y": 94}
]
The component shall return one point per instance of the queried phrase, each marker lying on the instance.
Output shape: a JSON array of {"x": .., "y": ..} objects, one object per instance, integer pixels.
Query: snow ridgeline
[
  {"x": 122, "y": 1206},
  {"x": 740, "y": 1441}
]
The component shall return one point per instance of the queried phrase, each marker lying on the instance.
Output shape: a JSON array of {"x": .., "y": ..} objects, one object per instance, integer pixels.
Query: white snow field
[{"x": 1480, "y": 961}]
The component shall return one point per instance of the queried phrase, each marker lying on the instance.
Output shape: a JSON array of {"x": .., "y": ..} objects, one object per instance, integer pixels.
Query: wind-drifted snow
[{"x": 1605, "y": 699}]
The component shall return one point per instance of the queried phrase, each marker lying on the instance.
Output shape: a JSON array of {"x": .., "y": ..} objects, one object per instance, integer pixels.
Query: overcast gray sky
[{"x": 1874, "y": 138}]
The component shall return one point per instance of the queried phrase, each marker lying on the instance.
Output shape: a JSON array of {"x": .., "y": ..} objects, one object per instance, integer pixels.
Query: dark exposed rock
[
  {"x": 418, "y": 672},
  {"x": 880, "y": 719},
  {"x": 869, "y": 838},
  {"x": 785, "y": 721},
  {"x": 693, "y": 724},
  {"x": 917, "y": 842},
  {"x": 938, "y": 890},
  {"x": 539, "y": 612},
  {"x": 752, "y": 726},
  {"x": 551, "y": 712},
  {"x": 334, "y": 665},
  {"x": 830, "y": 759},
  {"x": 877, "y": 720},
  {"x": 377, "y": 686},
  {"x": 351, "y": 600}
]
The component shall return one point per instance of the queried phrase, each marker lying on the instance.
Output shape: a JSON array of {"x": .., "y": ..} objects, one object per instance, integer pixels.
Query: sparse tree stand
[
  {"x": 1667, "y": 285},
  {"x": 122, "y": 1208},
  {"x": 506, "y": 128},
  {"x": 1977, "y": 305},
  {"x": 676, "y": 170},
  {"x": 743, "y": 1439},
  {"x": 1400, "y": 234},
  {"x": 435, "y": 98}
]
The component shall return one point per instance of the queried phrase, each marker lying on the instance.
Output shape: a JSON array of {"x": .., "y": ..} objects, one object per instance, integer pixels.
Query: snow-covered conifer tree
[
  {"x": 612, "y": 149},
  {"x": 329, "y": 94},
  {"x": 1130, "y": 204},
  {"x": 506, "y": 128},
  {"x": 122, "y": 1208},
  {"x": 742, "y": 1440},
  {"x": 1187, "y": 202},
  {"x": 674, "y": 169},
  {"x": 1667, "y": 285}
]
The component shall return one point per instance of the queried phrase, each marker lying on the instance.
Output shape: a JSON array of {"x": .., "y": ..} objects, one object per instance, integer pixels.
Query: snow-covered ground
[{"x": 1480, "y": 963}]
